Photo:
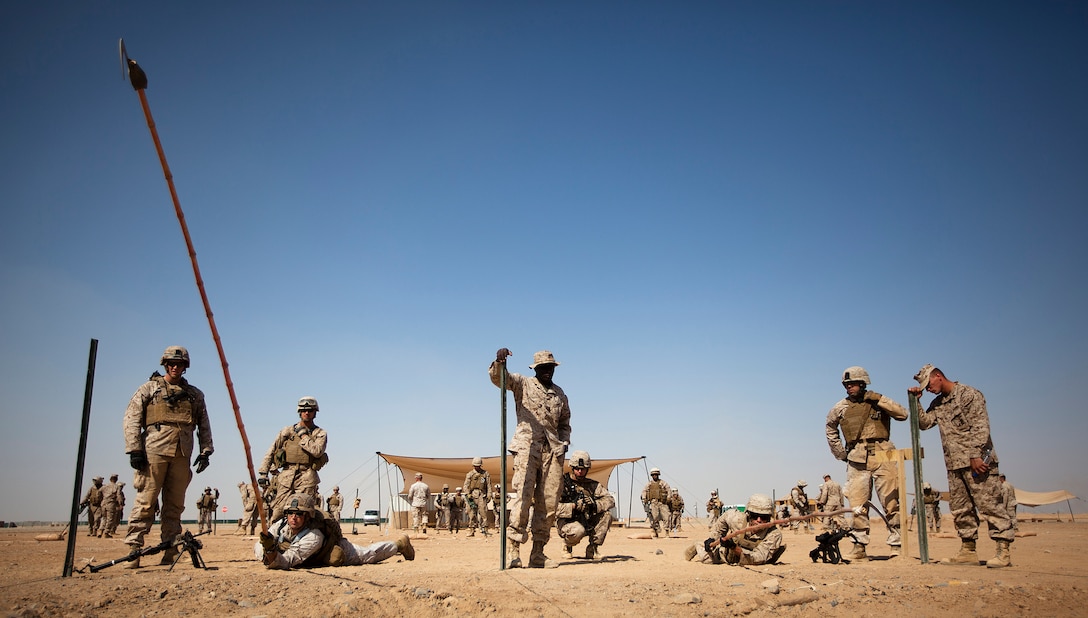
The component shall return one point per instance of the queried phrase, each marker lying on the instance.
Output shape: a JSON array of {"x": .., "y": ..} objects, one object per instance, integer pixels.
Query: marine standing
[
  {"x": 296, "y": 455},
  {"x": 419, "y": 496},
  {"x": 799, "y": 500},
  {"x": 713, "y": 508},
  {"x": 159, "y": 424},
  {"x": 655, "y": 501},
  {"x": 676, "y": 510},
  {"x": 476, "y": 483},
  {"x": 584, "y": 509},
  {"x": 442, "y": 505},
  {"x": 336, "y": 503},
  {"x": 248, "y": 520},
  {"x": 206, "y": 506},
  {"x": 931, "y": 500},
  {"x": 93, "y": 501},
  {"x": 830, "y": 499},
  {"x": 539, "y": 445},
  {"x": 457, "y": 510},
  {"x": 864, "y": 417},
  {"x": 974, "y": 483}
]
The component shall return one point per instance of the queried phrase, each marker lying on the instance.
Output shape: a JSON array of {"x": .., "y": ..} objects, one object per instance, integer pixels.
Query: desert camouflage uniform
[
  {"x": 476, "y": 484},
  {"x": 457, "y": 509},
  {"x": 295, "y": 477},
  {"x": 336, "y": 505},
  {"x": 539, "y": 444},
  {"x": 758, "y": 547},
  {"x": 298, "y": 547},
  {"x": 169, "y": 449},
  {"x": 111, "y": 509},
  {"x": 713, "y": 508},
  {"x": 931, "y": 500},
  {"x": 206, "y": 509},
  {"x": 655, "y": 499},
  {"x": 442, "y": 505},
  {"x": 830, "y": 499},
  {"x": 1008, "y": 496},
  {"x": 249, "y": 508},
  {"x": 965, "y": 434},
  {"x": 93, "y": 500},
  {"x": 574, "y": 525},
  {"x": 419, "y": 496},
  {"x": 799, "y": 500},
  {"x": 863, "y": 472},
  {"x": 676, "y": 511}
]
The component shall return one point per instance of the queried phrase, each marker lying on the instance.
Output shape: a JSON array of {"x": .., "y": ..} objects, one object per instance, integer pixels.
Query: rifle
[
  {"x": 585, "y": 506},
  {"x": 828, "y": 549},
  {"x": 185, "y": 542},
  {"x": 712, "y": 542}
]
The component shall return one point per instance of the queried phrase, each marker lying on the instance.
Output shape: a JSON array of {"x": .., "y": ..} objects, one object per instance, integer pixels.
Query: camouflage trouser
[
  {"x": 674, "y": 520},
  {"x": 295, "y": 478},
  {"x": 444, "y": 517},
  {"x": 659, "y": 516},
  {"x": 537, "y": 483},
  {"x": 248, "y": 520},
  {"x": 861, "y": 479},
  {"x": 169, "y": 476},
  {"x": 110, "y": 516},
  {"x": 971, "y": 498},
  {"x": 474, "y": 500},
  {"x": 455, "y": 520},
  {"x": 419, "y": 517},
  {"x": 204, "y": 521},
  {"x": 933, "y": 517},
  {"x": 94, "y": 519},
  {"x": 573, "y": 531}
]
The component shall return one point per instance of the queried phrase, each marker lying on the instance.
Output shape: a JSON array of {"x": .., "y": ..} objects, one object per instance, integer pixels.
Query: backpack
[{"x": 330, "y": 553}]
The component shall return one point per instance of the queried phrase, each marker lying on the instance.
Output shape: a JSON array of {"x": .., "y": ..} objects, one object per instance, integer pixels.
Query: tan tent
[
  {"x": 437, "y": 471},
  {"x": 1039, "y": 498}
]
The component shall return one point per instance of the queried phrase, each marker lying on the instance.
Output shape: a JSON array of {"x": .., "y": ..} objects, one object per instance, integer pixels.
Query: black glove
[
  {"x": 707, "y": 544},
  {"x": 263, "y": 481},
  {"x": 728, "y": 544},
  {"x": 268, "y": 542},
  {"x": 138, "y": 460},
  {"x": 588, "y": 506},
  {"x": 201, "y": 463}
]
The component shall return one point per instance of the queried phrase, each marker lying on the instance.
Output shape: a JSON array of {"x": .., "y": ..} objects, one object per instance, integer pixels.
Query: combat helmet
[
  {"x": 580, "y": 459},
  {"x": 175, "y": 353},
  {"x": 308, "y": 403},
  {"x": 760, "y": 504},
  {"x": 802, "y": 483},
  {"x": 477, "y": 461},
  {"x": 855, "y": 374},
  {"x": 654, "y": 471},
  {"x": 300, "y": 503}
]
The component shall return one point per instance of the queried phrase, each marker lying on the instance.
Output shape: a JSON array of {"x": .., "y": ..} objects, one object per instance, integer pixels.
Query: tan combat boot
[
  {"x": 966, "y": 555},
  {"x": 1003, "y": 557},
  {"x": 592, "y": 553},
  {"x": 513, "y": 554},
  {"x": 690, "y": 552},
  {"x": 858, "y": 553},
  {"x": 568, "y": 552},
  {"x": 537, "y": 559},
  {"x": 404, "y": 547}
]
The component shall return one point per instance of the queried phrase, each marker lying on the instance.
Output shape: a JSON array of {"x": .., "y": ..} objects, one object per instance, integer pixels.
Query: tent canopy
[
  {"x": 1039, "y": 498},
  {"x": 451, "y": 471}
]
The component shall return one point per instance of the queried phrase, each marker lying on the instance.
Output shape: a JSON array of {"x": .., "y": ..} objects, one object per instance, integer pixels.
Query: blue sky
[{"x": 705, "y": 210}]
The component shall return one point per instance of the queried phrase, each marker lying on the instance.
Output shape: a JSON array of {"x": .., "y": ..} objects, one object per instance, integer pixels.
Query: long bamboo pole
[{"x": 138, "y": 79}]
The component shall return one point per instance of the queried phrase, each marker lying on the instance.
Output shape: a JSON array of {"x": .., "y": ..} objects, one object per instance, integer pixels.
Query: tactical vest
[
  {"x": 655, "y": 491},
  {"x": 854, "y": 420},
  {"x": 476, "y": 480},
  {"x": 170, "y": 404},
  {"x": 293, "y": 452}
]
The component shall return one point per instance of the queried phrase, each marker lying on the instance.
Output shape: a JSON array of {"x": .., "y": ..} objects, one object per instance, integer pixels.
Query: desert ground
[{"x": 460, "y": 576}]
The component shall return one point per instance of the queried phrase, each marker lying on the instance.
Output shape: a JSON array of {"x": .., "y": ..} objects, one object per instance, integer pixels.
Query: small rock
[
  {"x": 687, "y": 598},
  {"x": 772, "y": 586},
  {"x": 658, "y": 552},
  {"x": 422, "y": 593}
]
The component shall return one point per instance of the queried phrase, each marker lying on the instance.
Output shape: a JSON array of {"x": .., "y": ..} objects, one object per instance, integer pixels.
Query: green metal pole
[
  {"x": 502, "y": 474},
  {"x": 915, "y": 442}
]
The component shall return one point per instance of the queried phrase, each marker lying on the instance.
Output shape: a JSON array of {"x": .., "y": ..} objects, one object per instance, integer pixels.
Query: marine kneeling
[
  {"x": 743, "y": 538},
  {"x": 303, "y": 537},
  {"x": 584, "y": 509}
]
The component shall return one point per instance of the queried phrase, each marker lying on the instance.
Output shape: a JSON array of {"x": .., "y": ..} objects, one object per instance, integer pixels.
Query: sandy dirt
[{"x": 460, "y": 576}]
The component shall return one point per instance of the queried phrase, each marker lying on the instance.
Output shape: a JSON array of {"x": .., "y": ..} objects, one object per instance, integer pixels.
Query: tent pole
[
  {"x": 379, "y": 454},
  {"x": 502, "y": 452},
  {"x": 1070, "y": 507}
]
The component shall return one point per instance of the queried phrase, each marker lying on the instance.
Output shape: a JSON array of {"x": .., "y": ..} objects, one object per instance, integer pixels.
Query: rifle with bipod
[{"x": 185, "y": 542}]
